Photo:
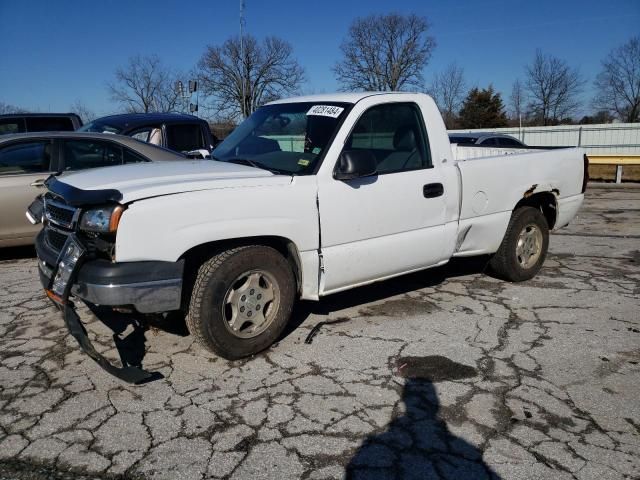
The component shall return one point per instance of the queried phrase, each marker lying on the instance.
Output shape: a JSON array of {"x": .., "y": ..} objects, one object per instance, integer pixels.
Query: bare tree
[
  {"x": 238, "y": 81},
  {"x": 618, "y": 83},
  {"x": 221, "y": 128},
  {"x": 80, "y": 108},
  {"x": 517, "y": 100},
  {"x": 553, "y": 88},
  {"x": 448, "y": 90},
  {"x": 145, "y": 85},
  {"x": 8, "y": 108},
  {"x": 385, "y": 52}
]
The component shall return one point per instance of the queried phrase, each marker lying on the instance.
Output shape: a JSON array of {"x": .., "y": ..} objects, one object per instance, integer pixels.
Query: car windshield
[
  {"x": 99, "y": 127},
  {"x": 288, "y": 138}
]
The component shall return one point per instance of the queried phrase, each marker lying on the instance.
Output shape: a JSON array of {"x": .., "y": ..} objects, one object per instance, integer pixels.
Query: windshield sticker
[
  {"x": 325, "y": 111},
  {"x": 303, "y": 163}
]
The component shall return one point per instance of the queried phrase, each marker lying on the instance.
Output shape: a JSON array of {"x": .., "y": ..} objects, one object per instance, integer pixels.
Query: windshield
[
  {"x": 99, "y": 127},
  {"x": 287, "y": 138}
]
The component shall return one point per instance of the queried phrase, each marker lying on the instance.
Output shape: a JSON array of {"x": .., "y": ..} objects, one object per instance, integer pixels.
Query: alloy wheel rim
[
  {"x": 529, "y": 246},
  {"x": 251, "y": 303}
]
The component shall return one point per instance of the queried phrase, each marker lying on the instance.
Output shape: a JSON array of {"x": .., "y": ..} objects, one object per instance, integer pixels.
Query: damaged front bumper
[{"x": 145, "y": 286}]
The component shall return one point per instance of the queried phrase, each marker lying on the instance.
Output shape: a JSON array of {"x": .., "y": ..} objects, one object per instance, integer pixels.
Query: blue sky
[{"x": 57, "y": 52}]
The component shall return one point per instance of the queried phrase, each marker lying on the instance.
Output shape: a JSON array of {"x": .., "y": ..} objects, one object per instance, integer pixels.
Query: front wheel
[
  {"x": 241, "y": 301},
  {"x": 524, "y": 246}
]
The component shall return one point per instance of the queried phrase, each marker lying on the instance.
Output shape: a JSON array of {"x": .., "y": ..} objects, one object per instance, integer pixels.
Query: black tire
[
  {"x": 206, "y": 318},
  {"x": 505, "y": 263}
]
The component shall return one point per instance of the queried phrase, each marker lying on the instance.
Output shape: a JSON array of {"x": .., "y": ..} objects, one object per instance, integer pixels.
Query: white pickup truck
[{"x": 307, "y": 197}]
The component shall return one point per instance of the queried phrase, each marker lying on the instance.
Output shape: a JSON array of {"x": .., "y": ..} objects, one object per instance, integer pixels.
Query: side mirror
[{"x": 355, "y": 164}]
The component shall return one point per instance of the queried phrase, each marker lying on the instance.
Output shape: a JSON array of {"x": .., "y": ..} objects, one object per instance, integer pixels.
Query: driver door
[{"x": 391, "y": 223}]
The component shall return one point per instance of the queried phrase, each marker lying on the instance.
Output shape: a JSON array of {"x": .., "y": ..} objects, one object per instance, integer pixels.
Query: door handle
[
  {"x": 432, "y": 190},
  {"x": 38, "y": 183}
]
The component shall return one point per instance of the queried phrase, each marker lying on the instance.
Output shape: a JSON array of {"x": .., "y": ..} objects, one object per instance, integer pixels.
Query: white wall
[{"x": 604, "y": 139}]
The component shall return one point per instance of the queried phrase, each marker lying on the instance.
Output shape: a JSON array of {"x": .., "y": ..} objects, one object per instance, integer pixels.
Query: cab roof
[
  {"x": 38, "y": 115},
  {"x": 341, "y": 97},
  {"x": 135, "y": 120}
]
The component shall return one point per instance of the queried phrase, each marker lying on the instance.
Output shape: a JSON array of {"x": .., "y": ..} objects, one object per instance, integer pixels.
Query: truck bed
[
  {"x": 468, "y": 152},
  {"x": 492, "y": 184}
]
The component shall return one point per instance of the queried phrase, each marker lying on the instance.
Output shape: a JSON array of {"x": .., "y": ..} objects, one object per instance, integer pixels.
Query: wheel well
[
  {"x": 196, "y": 256},
  {"x": 545, "y": 202}
]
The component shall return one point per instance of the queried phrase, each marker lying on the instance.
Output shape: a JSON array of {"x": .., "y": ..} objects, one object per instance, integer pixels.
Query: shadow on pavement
[
  {"x": 418, "y": 445},
  {"x": 130, "y": 330},
  {"x": 128, "y": 334}
]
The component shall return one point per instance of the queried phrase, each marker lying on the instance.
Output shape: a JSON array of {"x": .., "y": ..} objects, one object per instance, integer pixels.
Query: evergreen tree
[{"x": 482, "y": 109}]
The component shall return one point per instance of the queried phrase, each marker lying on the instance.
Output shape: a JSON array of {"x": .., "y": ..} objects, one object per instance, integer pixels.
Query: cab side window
[
  {"x": 49, "y": 124},
  {"x": 25, "y": 157},
  {"x": 489, "y": 142},
  {"x": 508, "y": 143},
  {"x": 395, "y": 135},
  {"x": 11, "y": 125},
  {"x": 82, "y": 154},
  {"x": 184, "y": 138},
  {"x": 129, "y": 156},
  {"x": 151, "y": 135}
]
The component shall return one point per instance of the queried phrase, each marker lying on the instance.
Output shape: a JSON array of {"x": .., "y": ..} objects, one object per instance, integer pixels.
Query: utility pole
[{"x": 242, "y": 74}]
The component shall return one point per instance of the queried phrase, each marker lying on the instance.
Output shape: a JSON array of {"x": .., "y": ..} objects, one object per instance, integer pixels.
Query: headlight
[
  {"x": 71, "y": 253},
  {"x": 104, "y": 220}
]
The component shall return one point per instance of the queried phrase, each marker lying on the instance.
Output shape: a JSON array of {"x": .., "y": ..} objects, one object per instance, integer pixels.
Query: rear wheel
[
  {"x": 524, "y": 246},
  {"x": 241, "y": 301}
]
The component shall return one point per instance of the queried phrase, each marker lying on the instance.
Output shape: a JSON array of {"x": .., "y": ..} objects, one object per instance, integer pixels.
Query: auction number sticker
[{"x": 325, "y": 111}]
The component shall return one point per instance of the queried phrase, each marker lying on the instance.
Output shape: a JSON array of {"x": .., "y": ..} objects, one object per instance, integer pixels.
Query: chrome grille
[{"x": 60, "y": 214}]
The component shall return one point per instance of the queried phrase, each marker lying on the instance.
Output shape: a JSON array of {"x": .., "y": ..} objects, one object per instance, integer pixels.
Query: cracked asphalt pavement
[{"x": 447, "y": 373}]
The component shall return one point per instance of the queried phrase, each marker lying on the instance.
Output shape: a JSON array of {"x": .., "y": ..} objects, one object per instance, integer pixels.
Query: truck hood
[{"x": 143, "y": 180}]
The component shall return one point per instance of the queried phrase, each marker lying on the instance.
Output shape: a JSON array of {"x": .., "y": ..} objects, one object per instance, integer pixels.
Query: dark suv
[
  {"x": 39, "y": 122},
  {"x": 175, "y": 131}
]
